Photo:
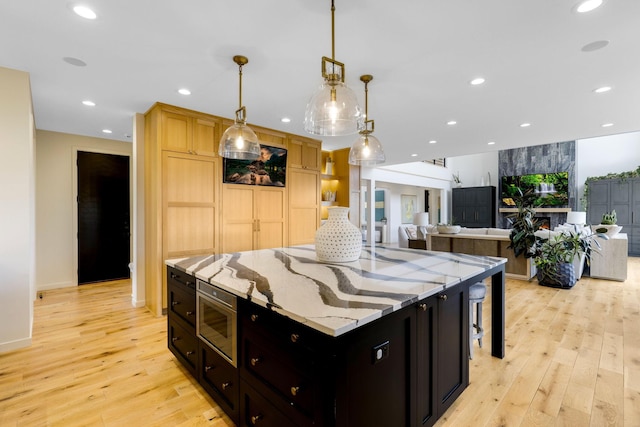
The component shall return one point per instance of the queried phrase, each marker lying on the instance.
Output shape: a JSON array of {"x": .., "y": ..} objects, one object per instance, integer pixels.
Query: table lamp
[
  {"x": 421, "y": 220},
  {"x": 575, "y": 217}
]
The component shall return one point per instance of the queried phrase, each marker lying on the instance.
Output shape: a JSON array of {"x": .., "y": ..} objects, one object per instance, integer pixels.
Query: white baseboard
[
  {"x": 137, "y": 303},
  {"x": 59, "y": 285},
  {"x": 14, "y": 345}
]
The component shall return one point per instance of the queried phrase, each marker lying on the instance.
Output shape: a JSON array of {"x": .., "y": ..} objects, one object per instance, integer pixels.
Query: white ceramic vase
[{"x": 338, "y": 240}]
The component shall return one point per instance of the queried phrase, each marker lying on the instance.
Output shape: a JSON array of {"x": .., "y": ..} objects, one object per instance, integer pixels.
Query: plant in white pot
[{"x": 608, "y": 224}]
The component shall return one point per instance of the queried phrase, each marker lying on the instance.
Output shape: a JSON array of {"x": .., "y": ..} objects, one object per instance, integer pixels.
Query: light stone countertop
[{"x": 335, "y": 298}]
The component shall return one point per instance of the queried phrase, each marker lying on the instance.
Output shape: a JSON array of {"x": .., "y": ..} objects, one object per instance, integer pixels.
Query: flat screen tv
[
  {"x": 270, "y": 169},
  {"x": 546, "y": 189}
]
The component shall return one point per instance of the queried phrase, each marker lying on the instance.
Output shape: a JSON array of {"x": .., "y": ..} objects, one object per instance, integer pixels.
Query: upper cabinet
[
  {"x": 304, "y": 153},
  {"x": 190, "y": 134}
]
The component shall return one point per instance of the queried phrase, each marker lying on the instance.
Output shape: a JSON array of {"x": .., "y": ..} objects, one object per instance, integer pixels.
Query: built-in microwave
[{"x": 216, "y": 320}]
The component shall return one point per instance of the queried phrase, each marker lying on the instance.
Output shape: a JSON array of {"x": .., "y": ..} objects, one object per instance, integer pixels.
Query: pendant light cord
[
  {"x": 240, "y": 86},
  {"x": 333, "y": 31}
]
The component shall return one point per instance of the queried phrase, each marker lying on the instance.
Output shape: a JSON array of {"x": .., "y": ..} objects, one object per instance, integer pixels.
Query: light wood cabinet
[
  {"x": 182, "y": 192},
  {"x": 190, "y": 134},
  {"x": 253, "y": 217},
  {"x": 303, "y": 158},
  {"x": 304, "y": 153},
  {"x": 189, "y": 211},
  {"x": 189, "y": 204},
  {"x": 304, "y": 205}
]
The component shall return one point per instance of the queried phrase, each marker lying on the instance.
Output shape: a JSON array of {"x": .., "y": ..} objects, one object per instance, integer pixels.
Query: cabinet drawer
[
  {"x": 181, "y": 279},
  {"x": 184, "y": 345},
  {"x": 279, "y": 371},
  {"x": 257, "y": 411},
  {"x": 182, "y": 304},
  {"x": 220, "y": 379},
  {"x": 294, "y": 338}
]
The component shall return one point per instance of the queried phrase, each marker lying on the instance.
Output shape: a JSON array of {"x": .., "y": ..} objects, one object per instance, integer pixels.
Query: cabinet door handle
[
  {"x": 255, "y": 361},
  {"x": 256, "y": 418},
  {"x": 443, "y": 297},
  {"x": 295, "y": 390},
  {"x": 254, "y": 317},
  {"x": 226, "y": 385},
  {"x": 174, "y": 275},
  {"x": 174, "y": 339},
  {"x": 189, "y": 313},
  {"x": 208, "y": 368},
  {"x": 295, "y": 337},
  {"x": 422, "y": 307},
  {"x": 190, "y": 353},
  {"x": 174, "y": 303}
]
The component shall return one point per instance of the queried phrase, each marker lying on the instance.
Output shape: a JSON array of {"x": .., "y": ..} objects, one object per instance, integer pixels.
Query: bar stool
[{"x": 477, "y": 292}]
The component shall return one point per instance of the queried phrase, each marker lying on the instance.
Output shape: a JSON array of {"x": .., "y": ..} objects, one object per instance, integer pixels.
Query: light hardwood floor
[{"x": 573, "y": 359}]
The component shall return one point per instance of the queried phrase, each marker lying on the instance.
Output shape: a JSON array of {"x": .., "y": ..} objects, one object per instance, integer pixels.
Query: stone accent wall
[{"x": 548, "y": 158}]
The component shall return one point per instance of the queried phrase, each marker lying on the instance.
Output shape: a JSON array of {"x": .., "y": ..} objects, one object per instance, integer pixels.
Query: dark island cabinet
[
  {"x": 442, "y": 370},
  {"x": 404, "y": 369},
  {"x": 220, "y": 379},
  {"x": 181, "y": 318},
  {"x": 285, "y": 370},
  {"x": 474, "y": 206}
]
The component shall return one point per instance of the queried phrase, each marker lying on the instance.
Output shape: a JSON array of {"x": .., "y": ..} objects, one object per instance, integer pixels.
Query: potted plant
[
  {"x": 554, "y": 259},
  {"x": 524, "y": 224},
  {"x": 608, "y": 224},
  {"x": 558, "y": 256}
]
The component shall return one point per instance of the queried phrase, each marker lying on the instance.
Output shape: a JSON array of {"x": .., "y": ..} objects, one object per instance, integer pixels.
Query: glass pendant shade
[
  {"x": 333, "y": 110},
  {"x": 239, "y": 141},
  {"x": 366, "y": 151}
]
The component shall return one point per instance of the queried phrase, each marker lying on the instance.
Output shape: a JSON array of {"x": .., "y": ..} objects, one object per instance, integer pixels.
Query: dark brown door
[{"x": 103, "y": 217}]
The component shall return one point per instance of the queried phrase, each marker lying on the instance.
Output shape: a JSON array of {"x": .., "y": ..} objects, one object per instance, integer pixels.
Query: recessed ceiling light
[
  {"x": 477, "y": 81},
  {"x": 590, "y": 47},
  {"x": 89, "y": 103},
  {"x": 607, "y": 125},
  {"x": 285, "y": 120},
  {"x": 588, "y": 5},
  {"x": 491, "y": 143},
  {"x": 107, "y": 131},
  {"x": 74, "y": 61},
  {"x": 85, "y": 12},
  {"x": 525, "y": 125},
  {"x": 602, "y": 89},
  {"x": 451, "y": 122},
  {"x": 184, "y": 91},
  {"x": 433, "y": 141},
  {"x": 414, "y": 155}
]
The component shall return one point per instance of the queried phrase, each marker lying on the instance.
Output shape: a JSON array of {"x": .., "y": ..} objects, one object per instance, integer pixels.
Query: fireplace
[{"x": 544, "y": 222}]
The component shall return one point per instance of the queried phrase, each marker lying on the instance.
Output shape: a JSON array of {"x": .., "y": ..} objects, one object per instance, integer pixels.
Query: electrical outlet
[{"x": 380, "y": 352}]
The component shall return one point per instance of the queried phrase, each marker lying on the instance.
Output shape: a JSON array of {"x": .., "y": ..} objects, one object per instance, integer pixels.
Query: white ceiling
[{"x": 422, "y": 55}]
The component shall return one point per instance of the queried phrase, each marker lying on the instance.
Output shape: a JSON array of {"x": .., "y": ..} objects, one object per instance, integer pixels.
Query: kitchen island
[{"x": 379, "y": 341}]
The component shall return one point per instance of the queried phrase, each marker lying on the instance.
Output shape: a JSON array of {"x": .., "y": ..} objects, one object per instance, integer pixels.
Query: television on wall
[
  {"x": 546, "y": 189},
  {"x": 269, "y": 170}
]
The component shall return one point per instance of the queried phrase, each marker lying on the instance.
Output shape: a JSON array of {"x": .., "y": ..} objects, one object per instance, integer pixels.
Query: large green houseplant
[
  {"x": 554, "y": 259},
  {"x": 524, "y": 224}
]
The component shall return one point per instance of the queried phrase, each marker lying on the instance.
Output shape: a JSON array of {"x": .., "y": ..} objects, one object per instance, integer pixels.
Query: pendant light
[
  {"x": 239, "y": 141},
  {"x": 367, "y": 150},
  {"x": 333, "y": 109}
]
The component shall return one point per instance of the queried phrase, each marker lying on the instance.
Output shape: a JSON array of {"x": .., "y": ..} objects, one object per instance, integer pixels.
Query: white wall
[
  {"x": 476, "y": 169},
  {"x": 603, "y": 155},
  {"x": 17, "y": 224},
  {"x": 55, "y": 189},
  {"x": 410, "y": 179}
]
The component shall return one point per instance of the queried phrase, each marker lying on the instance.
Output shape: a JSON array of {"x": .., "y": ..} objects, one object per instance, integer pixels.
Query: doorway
[{"x": 104, "y": 247}]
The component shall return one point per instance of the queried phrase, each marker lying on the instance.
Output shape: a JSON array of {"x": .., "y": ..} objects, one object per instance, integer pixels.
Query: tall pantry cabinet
[
  {"x": 182, "y": 192},
  {"x": 190, "y": 211}
]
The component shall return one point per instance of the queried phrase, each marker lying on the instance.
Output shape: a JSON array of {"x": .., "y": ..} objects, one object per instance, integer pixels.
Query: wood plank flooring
[{"x": 572, "y": 359}]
